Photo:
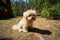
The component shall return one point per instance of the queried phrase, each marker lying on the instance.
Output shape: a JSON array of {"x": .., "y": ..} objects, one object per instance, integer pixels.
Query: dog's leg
[
  {"x": 25, "y": 29},
  {"x": 19, "y": 28},
  {"x": 22, "y": 29}
]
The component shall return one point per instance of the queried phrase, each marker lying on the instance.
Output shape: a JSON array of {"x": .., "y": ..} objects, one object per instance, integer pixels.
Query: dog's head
[{"x": 30, "y": 15}]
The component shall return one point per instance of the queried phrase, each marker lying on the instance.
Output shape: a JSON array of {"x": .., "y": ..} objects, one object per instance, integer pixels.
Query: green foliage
[
  {"x": 45, "y": 13},
  {"x": 45, "y": 8},
  {"x": 15, "y": 8},
  {"x": 51, "y": 9},
  {"x": 2, "y": 8},
  {"x": 55, "y": 12},
  {"x": 18, "y": 8}
]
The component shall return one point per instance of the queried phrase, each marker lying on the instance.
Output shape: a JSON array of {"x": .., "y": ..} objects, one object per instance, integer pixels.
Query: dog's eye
[{"x": 29, "y": 15}]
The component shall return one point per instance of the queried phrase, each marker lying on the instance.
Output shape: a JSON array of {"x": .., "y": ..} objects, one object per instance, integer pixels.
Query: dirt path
[{"x": 43, "y": 29}]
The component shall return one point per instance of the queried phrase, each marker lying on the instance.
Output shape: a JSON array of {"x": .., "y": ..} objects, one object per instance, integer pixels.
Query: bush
[
  {"x": 45, "y": 13},
  {"x": 55, "y": 12}
]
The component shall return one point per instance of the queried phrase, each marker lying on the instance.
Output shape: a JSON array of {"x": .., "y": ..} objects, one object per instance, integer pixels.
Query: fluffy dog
[{"x": 27, "y": 21}]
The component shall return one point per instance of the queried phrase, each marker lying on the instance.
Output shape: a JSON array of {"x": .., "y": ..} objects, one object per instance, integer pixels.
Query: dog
[{"x": 27, "y": 21}]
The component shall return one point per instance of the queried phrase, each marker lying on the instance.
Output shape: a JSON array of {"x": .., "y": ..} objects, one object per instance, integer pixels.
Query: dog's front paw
[
  {"x": 25, "y": 30},
  {"x": 20, "y": 30}
]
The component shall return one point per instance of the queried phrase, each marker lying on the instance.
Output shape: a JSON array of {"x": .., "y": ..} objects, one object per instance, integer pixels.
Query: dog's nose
[{"x": 33, "y": 18}]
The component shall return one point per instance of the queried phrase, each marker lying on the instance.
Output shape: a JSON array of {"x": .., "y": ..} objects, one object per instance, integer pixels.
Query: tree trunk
[
  {"x": 9, "y": 9},
  {"x": 6, "y": 11},
  {"x": 2, "y": 10}
]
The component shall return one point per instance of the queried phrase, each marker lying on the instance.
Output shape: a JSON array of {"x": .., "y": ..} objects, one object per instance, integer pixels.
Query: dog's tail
[{"x": 15, "y": 27}]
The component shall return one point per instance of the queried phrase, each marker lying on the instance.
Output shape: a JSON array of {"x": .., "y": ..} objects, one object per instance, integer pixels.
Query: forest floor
[{"x": 43, "y": 29}]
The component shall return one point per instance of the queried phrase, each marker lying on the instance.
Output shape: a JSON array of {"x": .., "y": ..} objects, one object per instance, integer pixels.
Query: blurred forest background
[{"x": 45, "y": 8}]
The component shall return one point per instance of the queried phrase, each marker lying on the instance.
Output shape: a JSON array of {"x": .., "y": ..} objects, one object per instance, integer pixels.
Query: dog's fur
[{"x": 27, "y": 21}]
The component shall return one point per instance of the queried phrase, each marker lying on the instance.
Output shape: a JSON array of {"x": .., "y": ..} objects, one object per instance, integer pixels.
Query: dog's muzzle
[{"x": 34, "y": 18}]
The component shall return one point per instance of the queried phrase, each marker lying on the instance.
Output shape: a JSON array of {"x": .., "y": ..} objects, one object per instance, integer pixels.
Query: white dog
[{"x": 27, "y": 21}]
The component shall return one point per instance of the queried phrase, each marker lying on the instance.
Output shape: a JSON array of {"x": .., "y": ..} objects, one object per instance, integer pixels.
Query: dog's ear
[{"x": 25, "y": 14}]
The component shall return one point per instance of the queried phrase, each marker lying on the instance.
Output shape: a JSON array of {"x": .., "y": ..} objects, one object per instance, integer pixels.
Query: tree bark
[
  {"x": 9, "y": 9},
  {"x": 6, "y": 11}
]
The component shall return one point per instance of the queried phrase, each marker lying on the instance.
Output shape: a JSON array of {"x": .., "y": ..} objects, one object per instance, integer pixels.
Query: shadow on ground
[
  {"x": 6, "y": 39},
  {"x": 44, "y": 32}
]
